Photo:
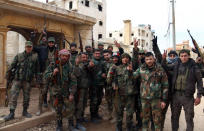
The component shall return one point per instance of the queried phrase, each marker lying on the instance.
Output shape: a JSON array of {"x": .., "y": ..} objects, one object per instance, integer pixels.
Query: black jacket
[{"x": 194, "y": 76}]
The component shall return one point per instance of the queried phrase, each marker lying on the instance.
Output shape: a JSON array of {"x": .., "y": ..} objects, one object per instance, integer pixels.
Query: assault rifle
[{"x": 80, "y": 42}]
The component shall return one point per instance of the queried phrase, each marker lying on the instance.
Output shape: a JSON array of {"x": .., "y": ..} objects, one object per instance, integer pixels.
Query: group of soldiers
[{"x": 144, "y": 84}]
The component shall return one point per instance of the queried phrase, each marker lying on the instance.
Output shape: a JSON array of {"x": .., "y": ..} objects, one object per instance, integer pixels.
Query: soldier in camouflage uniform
[
  {"x": 64, "y": 85},
  {"x": 153, "y": 91},
  {"x": 97, "y": 79},
  {"x": 82, "y": 73},
  {"x": 74, "y": 53},
  {"x": 46, "y": 55},
  {"x": 124, "y": 91},
  {"x": 26, "y": 66},
  {"x": 89, "y": 51},
  {"x": 108, "y": 87}
]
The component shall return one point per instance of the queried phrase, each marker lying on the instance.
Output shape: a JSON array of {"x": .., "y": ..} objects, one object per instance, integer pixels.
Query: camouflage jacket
[
  {"x": 73, "y": 57},
  {"x": 63, "y": 83},
  {"x": 154, "y": 82},
  {"x": 108, "y": 65},
  {"x": 25, "y": 66},
  {"x": 82, "y": 73},
  {"x": 97, "y": 71},
  {"x": 122, "y": 78}
]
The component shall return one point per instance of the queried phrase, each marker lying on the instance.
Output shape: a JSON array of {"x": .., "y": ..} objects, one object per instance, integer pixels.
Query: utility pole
[{"x": 173, "y": 25}]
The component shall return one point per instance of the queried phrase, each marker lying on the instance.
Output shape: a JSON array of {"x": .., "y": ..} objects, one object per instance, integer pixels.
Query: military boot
[
  {"x": 129, "y": 127},
  {"x": 39, "y": 113},
  {"x": 25, "y": 113},
  {"x": 59, "y": 125},
  {"x": 45, "y": 101},
  {"x": 80, "y": 126},
  {"x": 10, "y": 116},
  {"x": 71, "y": 126},
  {"x": 119, "y": 126}
]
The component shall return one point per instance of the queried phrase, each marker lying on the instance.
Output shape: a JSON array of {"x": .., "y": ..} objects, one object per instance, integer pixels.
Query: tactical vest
[{"x": 181, "y": 81}]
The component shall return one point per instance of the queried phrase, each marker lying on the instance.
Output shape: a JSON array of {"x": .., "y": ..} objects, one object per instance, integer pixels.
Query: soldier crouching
[{"x": 64, "y": 84}]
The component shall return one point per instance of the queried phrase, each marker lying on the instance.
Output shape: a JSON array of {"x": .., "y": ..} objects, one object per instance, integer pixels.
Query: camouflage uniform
[
  {"x": 153, "y": 90},
  {"x": 124, "y": 97},
  {"x": 109, "y": 89},
  {"x": 73, "y": 57},
  {"x": 83, "y": 76},
  {"x": 96, "y": 90},
  {"x": 62, "y": 86},
  {"x": 25, "y": 66}
]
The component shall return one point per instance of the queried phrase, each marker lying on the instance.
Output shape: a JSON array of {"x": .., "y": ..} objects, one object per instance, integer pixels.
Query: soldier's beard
[{"x": 51, "y": 48}]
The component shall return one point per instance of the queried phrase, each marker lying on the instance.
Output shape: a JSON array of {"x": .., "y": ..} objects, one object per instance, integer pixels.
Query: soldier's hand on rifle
[
  {"x": 154, "y": 41},
  {"x": 197, "y": 101},
  {"x": 163, "y": 105},
  {"x": 91, "y": 64},
  {"x": 164, "y": 55},
  {"x": 56, "y": 70},
  {"x": 71, "y": 97},
  {"x": 135, "y": 43}
]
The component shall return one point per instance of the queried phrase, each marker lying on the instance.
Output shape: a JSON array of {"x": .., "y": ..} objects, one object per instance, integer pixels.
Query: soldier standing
[
  {"x": 46, "y": 55},
  {"x": 98, "y": 77},
  {"x": 186, "y": 75},
  {"x": 82, "y": 73},
  {"x": 124, "y": 92},
  {"x": 153, "y": 91},
  {"x": 108, "y": 87},
  {"x": 74, "y": 53},
  {"x": 89, "y": 51},
  {"x": 64, "y": 85},
  {"x": 26, "y": 66}
]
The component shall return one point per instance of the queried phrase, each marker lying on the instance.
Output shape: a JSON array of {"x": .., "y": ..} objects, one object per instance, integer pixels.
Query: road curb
[{"x": 30, "y": 122}]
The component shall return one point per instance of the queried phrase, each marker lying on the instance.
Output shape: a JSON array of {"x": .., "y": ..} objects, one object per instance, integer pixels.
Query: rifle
[
  {"x": 196, "y": 46},
  {"x": 10, "y": 77},
  {"x": 92, "y": 41},
  {"x": 80, "y": 41},
  {"x": 64, "y": 40},
  {"x": 44, "y": 31}
]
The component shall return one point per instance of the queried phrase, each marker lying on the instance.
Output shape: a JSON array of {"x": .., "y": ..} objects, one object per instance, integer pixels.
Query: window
[
  {"x": 82, "y": 2},
  {"x": 121, "y": 34},
  {"x": 110, "y": 34},
  {"x": 146, "y": 44},
  {"x": 147, "y": 35},
  {"x": 70, "y": 5},
  {"x": 100, "y": 23},
  {"x": 87, "y": 3},
  {"x": 132, "y": 34},
  {"x": 100, "y": 36},
  {"x": 100, "y": 8}
]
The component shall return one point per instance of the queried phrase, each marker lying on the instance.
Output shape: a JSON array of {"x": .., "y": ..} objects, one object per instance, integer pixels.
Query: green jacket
[
  {"x": 122, "y": 78},
  {"x": 154, "y": 82},
  {"x": 82, "y": 73},
  {"x": 25, "y": 66},
  {"x": 62, "y": 84}
]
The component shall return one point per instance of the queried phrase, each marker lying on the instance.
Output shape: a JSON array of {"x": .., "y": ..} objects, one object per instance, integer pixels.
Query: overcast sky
[{"x": 189, "y": 15}]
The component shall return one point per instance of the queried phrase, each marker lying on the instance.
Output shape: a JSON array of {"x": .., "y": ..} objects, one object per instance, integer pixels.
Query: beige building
[
  {"x": 143, "y": 33},
  {"x": 92, "y": 8}
]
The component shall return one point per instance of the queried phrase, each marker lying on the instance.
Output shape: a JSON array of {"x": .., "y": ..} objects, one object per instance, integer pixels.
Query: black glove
[{"x": 154, "y": 41}]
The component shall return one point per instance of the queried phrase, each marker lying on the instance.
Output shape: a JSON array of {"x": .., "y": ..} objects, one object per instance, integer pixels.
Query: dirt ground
[{"x": 104, "y": 125}]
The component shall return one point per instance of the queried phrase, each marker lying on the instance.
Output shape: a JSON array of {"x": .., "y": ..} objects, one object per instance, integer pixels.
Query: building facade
[
  {"x": 92, "y": 8},
  {"x": 142, "y": 33}
]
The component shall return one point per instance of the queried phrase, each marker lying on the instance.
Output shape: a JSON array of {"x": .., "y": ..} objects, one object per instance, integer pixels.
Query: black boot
[
  {"x": 71, "y": 126},
  {"x": 94, "y": 119},
  {"x": 45, "y": 101},
  {"x": 10, "y": 116},
  {"x": 119, "y": 126},
  {"x": 80, "y": 126},
  {"x": 26, "y": 114},
  {"x": 59, "y": 125}
]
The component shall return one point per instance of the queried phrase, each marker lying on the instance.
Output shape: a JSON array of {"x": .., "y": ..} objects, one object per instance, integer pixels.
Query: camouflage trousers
[
  {"x": 14, "y": 93},
  {"x": 138, "y": 108},
  {"x": 81, "y": 102},
  {"x": 96, "y": 95},
  {"x": 179, "y": 100},
  {"x": 43, "y": 93},
  {"x": 122, "y": 102},
  {"x": 151, "y": 108},
  {"x": 64, "y": 108},
  {"x": 109, "y": 98}
]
